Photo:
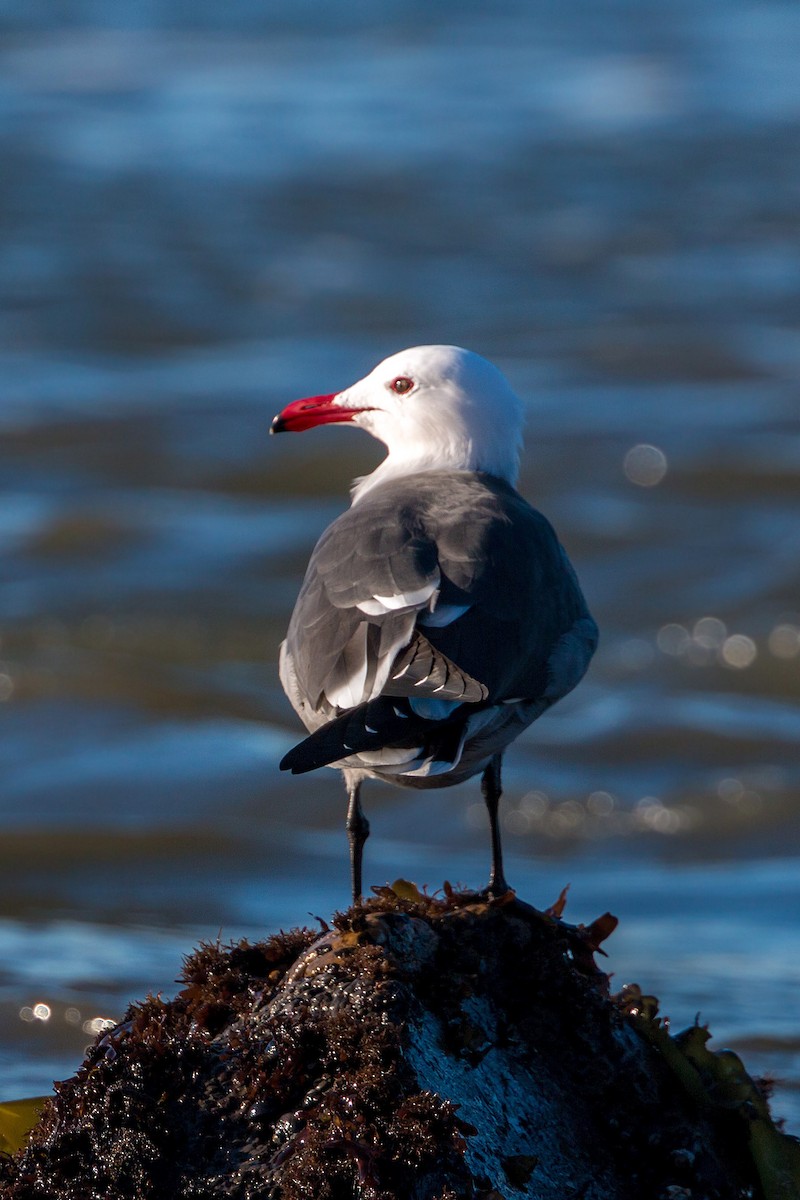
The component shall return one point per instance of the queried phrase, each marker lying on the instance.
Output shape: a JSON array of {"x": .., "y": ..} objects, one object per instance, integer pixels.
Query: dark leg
[
  {"x": 492, "y": 791},
  {"x": 357, "y": 827}
]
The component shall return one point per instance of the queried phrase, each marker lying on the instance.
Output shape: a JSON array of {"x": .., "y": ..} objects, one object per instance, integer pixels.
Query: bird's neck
[{"x": 399, "y": 465}]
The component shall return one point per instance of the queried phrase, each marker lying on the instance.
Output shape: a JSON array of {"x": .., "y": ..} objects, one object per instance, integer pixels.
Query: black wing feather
[{"x": 373, "y": 726}]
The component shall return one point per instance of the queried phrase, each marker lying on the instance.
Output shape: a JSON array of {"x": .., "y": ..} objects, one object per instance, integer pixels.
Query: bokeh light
[
  {"x": 645, "y": 465},
  {"x": 784, "y": 640},
  {"x": 738, "y": 651}
]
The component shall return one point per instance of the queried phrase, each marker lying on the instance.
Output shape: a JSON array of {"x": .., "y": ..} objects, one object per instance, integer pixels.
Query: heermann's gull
[{"x": 439, "y": 615}]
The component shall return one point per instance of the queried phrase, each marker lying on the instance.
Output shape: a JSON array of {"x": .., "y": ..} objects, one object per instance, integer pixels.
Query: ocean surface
[{"x": 207, "y": 211}]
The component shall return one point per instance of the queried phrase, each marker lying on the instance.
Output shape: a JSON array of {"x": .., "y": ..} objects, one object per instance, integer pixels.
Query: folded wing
[{"x": 434, "y": 600}]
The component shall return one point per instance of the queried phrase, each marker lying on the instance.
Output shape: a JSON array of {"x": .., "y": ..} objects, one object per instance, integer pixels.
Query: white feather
[
  {"x": 345, "y": 687},
  {"x": 379, "y": 606},
  {"x": 388, "y": 757},
  {"x": 460, "y": 415}
]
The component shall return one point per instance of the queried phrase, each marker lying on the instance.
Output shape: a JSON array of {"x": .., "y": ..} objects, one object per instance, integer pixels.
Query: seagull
[{"x": 439, "y": 615}]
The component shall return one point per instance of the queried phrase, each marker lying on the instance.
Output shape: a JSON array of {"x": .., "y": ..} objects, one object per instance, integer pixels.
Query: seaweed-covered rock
[{"x": 420, "y": 1049}]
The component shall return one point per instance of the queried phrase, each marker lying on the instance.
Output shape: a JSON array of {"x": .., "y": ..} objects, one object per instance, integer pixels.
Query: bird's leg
[
  {"x": 357, "y": 827},
  {"x": 492, "y": 791}
]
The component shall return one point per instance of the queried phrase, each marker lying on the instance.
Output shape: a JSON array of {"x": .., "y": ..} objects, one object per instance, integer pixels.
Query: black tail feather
[{"x": 373, "y": 726}]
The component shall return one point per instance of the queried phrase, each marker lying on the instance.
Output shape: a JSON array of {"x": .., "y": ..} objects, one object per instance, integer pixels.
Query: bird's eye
[{"x": 401, "y": 385}]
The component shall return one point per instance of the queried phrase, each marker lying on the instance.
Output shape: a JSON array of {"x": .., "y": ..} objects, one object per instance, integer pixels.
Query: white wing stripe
[
  {"x": 379, "y": 606},
  {"x": 345, "y": 687}
]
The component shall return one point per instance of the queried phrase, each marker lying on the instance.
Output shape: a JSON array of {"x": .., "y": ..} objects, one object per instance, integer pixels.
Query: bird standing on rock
[{"x": 439, "y": 615}]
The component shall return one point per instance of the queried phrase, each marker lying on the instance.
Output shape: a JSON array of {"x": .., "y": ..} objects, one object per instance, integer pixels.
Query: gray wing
[
  {"x": 354, "y": 630},
  {"x": 446, "y": 588}
]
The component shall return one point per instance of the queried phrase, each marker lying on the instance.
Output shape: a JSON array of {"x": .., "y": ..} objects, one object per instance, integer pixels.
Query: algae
[{"x": 417, "y": 1048}]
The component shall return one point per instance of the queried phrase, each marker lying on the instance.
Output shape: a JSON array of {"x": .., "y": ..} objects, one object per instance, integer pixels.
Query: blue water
[{"x": 208, "y": 213}]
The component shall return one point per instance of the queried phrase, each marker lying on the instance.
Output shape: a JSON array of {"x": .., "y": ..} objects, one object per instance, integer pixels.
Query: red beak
[{"x": 314, "y": 410}]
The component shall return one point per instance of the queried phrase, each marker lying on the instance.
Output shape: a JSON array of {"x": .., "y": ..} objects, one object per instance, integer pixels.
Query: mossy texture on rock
[{"x": 421, "y": 1049}]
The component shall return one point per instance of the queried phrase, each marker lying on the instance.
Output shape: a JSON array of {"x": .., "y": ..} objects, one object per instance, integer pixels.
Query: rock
[{"x": 420, "y": 1049}]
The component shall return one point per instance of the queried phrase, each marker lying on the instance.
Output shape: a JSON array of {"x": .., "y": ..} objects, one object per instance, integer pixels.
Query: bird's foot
[{"x": 498, "y": 890}]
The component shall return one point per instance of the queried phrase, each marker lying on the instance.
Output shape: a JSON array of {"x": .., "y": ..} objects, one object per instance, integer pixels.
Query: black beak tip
[{"x": 277, "y": 425}]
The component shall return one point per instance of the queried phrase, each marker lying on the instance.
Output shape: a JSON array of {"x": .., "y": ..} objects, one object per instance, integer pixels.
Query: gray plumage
[{"x": 521, "y": 636}]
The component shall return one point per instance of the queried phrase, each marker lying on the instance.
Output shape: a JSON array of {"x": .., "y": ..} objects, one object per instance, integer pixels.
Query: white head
[{"x": 433, "y": 407}]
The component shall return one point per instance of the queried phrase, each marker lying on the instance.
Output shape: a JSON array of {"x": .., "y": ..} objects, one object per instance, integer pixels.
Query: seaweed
[{"x": 420, "y": 1047}]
